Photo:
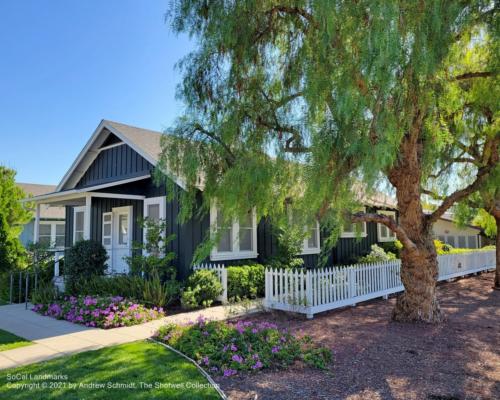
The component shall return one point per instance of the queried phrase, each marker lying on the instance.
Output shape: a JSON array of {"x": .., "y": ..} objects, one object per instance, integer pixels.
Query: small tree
[
  {"x": 13, "y": 217},
  {"x": 84, "y": 260},
  {"x": 152, "y": 257}
]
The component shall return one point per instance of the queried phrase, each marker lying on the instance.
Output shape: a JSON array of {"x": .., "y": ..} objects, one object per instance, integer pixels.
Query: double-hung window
[
  {"x": 383, "y": 232},
  {"x": 351, "y": 230},
  {"x": 236, "y": 239},
  {"x": 311, "y": 244},
  {"x": 78, "y": 223},
  {"x": 51, "y": 234}
]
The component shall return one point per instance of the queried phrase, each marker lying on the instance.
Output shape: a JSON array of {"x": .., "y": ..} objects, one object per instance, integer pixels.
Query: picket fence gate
[
  {"x": 221, "y": 272},
  {"x": 313, "y": 291}
]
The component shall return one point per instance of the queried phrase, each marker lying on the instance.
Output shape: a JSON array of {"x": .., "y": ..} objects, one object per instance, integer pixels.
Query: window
[
  {"x": 351, "y": 230},
  {"x": 472, "y": 242},
  {"x": 311, "y": 243},
  {"x": 450, "y": 240},
  {"x": 384, "y": 233},
  {"x": 51, "y": 234},
  {"x": 462, "y": 242},
  {"x": 78, "y": 224},
  {"x": 237, "y": 238},
  {"x": 441, "y": 238},
  {"x": 154, "y": 209},
  {"x": 107, "y": 225},
  {"x": 123, "y": 229}
]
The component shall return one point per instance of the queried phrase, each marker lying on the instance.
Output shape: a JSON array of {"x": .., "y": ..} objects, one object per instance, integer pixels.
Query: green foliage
[
  {"x": 117, "y": 285},
  {"x": 224, "y": 348},
  {"x": 45, "y": 293},
  {"x": 161, "y": 294},
  {"x": 392, "y": 247},
  {"x": 245, "y": 282},
  {"x": 289, "y": 244},
  {"x": 202, "y": 288},
  {"x": 84, "y": 259},
  {"x": 443, "y": 248},
  {"x": 13, "y": 216},
  {"x": 377, "y": 254},
  {"x": 152, "y": 255}
]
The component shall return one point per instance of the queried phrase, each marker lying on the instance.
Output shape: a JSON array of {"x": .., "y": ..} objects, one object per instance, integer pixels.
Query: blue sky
[{"x": 65, "y": 65}]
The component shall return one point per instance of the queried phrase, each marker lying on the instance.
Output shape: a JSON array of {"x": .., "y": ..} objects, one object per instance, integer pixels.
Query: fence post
[
  {"x": 384, "y": 278},
  {"x": 26, "y": 292},
  {"x": 352, "y": 283},
  {"x": 309, "y": 295},
  {"x": 224, "y": 285},
  {"x": 11, "y": 291}
]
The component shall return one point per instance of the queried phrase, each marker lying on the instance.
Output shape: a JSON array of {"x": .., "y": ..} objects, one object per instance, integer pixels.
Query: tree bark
[{"x": 419, "y": 268}]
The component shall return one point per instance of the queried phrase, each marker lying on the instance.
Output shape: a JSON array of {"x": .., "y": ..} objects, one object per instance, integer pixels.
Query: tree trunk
[
  {"x": 497, "y": 269},
  {"x": 419, "y": 269}
]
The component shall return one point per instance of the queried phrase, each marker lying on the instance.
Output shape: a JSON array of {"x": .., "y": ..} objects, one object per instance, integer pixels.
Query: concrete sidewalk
[{"x": 55, "y": 338}]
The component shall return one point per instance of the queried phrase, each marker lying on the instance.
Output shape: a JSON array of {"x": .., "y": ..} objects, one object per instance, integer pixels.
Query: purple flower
[
  {"x": 275, "y": 349},
  {"x": 257, "y": 365},
  {"x": 214, "y": 369},
  {"x": 255, "y": 356},
  {"x": 233, "y": 348},
  {"x": 237, "y": 358},
  {"x": 205, "y": 333},
  {"x": 230, "y": 372},
  {"x": 205, "y": 360},
  {"x": 255, "y": 330}
]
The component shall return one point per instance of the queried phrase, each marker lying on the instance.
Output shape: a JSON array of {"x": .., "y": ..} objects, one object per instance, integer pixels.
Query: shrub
[
  {"x": 85, "y": 259},
  {"x": 161, "y": 294},
  {"x": 245, "y": 282},
  {"x": 377, "y": 255},
  {"x": 115, "y": 285},
  {"x": 100, "y": 312},
  {"x": 45, "y": 293},
  {"x": 227, "y": 348},
  {"x": 392, "y": 247},
  {"x": 202, "y": 288},
  {"x": 443, "y": 248},
  {"x": 289, "y": 244}
]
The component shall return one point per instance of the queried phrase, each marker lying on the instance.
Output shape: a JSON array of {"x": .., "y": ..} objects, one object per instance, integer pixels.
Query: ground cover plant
[
  {"x": 225, "y": 348},
  {"x": 170, "y": 375},
  {"x": 10, "y": 341},
  {"x": 99, "y": 312}
]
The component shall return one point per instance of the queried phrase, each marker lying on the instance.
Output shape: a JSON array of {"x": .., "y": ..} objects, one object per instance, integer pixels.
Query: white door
[{"x": 121, "y": 239}]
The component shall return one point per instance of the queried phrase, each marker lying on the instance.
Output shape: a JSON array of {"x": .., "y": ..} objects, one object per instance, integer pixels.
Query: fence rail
[
  {"x": 221, "y": 272},
  {"x": 313, "y": 291}
]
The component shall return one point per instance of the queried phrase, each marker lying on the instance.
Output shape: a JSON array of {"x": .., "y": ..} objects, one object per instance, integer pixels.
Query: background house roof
[{"x": 46, "y": 212}]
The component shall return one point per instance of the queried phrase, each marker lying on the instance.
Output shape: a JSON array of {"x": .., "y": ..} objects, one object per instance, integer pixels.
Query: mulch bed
[{"x": 375, "y": 358}]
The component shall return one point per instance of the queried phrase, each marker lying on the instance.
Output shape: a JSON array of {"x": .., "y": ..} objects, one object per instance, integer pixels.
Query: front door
[{"x": 117, "y": 238}]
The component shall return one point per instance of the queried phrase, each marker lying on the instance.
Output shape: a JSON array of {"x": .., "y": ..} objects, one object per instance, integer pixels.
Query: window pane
[
  {"x": 246, "y": 239},
  {"x": 472, "y": 242},
  {"x": 348, "y": 227},
  {"x": 383, "y": 231},
  {"x": 60, "y": 241},
  {"x": 225, "y": 241},
  {"x": 154, "y": 212},
  {"x": 44, "y": 230},
  {"x": 107, "y": 218},
  {"x": 78, "y": 236},
  {"x": 106, "y": 230},
  {"x": 44, "y": 240},
  {"x": 123, "y": 229},
  {"x": 106, "y": 241},
  {"x": 312, "y": 242},
  {"x": 450, "y": 240},
  {"x": 461, "y": 242},
  {"x": 79, "y": 220},
  {"x": 246, "y": 221},
  {"x": 441, "y": 239},
  {"x": 60, "y": 229}
]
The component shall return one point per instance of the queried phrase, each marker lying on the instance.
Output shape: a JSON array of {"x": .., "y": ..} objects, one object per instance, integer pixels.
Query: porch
[{"x": 108, "y": 218}]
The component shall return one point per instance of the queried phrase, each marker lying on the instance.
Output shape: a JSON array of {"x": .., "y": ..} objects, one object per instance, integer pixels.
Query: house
[
  {"x": 51, "y": 222},
  {"x": 448, "y": 232},
  {"x": 109, "y": 187}
]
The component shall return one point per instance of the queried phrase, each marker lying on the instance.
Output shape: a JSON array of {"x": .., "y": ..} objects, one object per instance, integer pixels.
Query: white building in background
[
  {"x": 52, "y": 219},
  {"x": 448, "y": 232}
]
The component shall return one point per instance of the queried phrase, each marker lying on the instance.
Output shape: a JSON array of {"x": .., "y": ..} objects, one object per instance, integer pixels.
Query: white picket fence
[
  {"x": 221, "y": 272},
  {"x": 313, "y": 291}
]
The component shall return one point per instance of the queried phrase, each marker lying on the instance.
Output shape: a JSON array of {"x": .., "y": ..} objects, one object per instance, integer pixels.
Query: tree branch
[
  {"x": 197, "y": 127},
  {"x": 472, "y": 75},
  {"x": 390, "y": 223}
]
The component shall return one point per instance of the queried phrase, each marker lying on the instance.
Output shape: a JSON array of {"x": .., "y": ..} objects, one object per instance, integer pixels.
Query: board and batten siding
[{"x": 113, "y": 164}]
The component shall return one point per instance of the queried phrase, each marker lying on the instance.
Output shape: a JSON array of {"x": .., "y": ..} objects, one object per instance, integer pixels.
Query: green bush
[
  {"x": 202, "y": 288},
  {"x": 117, "y": 285},
  {"x": 377, "y": 255},
  {"x": 161, "y": 294},
  {"x": 85, "y": 259},
  {"x": 245, "y": 282},
  {"x": 45, "y": 293}
]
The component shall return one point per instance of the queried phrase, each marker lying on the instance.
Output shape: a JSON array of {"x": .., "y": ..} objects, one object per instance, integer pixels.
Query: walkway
[{"x": 55, "y": 338}]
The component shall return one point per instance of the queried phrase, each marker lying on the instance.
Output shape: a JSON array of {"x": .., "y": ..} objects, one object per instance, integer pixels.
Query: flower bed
[
  {"x": 100, "y": 312},
  {"x": 228, "y": 348}
]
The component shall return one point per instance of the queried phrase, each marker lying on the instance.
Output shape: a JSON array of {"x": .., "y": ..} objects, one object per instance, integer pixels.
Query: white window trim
[
  {"x": 305, "y": 244},
  {"x": 53, "y": 233},
  {"x": 76, "y": 210},
  {"x": 161, "y": 201},
  {"x": 235, "y": 254},
  {"x": 392, "y": 237},
  {"x": 103, "y": 236},
  {"x": 354, "y": 234}
]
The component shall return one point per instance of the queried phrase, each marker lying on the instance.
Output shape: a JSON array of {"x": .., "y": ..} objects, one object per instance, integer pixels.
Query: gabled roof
[{"x": 144, "y": 141}]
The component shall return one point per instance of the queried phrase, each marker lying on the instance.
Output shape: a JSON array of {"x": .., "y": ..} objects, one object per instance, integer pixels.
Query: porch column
[
  {"x": 88, "y": 210},
  {"x": 36, "y": 227}
]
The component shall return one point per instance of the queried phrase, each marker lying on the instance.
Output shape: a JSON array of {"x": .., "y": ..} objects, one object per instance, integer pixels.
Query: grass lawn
[
  {"x": 10, "y": 341},
  {"x": 114, "y": 372}
]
